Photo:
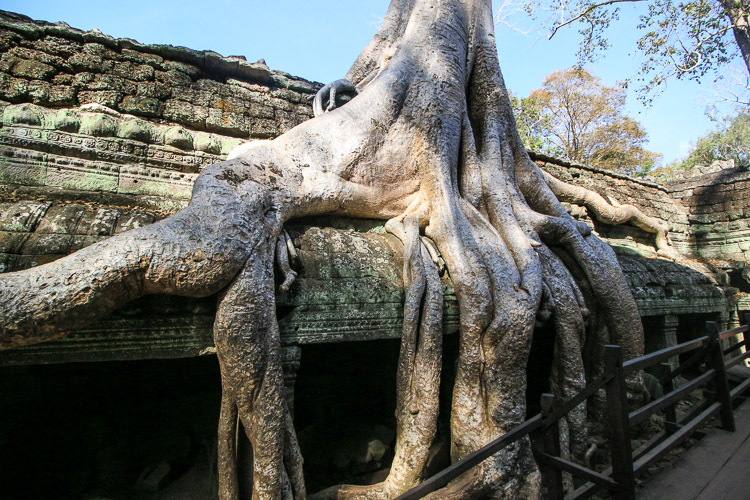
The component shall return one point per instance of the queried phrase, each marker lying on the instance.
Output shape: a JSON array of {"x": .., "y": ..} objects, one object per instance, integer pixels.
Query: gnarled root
[
  {"x": 325, "y": 99},
  {"x": 418, "y": 377},
  {"x": 432, "y": 131},
  {"x": 284, "y": 248},
  {"x": 567, "y": 376},
  {"x": 611, "y": 214},
  {"x": 195, "y": 252},
  {"x": 248, "y": 346}
]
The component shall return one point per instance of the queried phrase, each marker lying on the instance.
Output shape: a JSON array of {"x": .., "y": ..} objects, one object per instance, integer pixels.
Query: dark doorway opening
[{"x": 117, "y": 430}]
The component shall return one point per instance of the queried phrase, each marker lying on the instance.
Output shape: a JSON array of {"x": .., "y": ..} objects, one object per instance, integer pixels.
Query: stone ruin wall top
[{"x": 71, "y": 176}]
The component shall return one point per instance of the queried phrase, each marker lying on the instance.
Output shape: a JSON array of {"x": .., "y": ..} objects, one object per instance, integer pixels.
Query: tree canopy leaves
[
  {"x": 575, "y": 116},
  {"x": 730, "y": 141},
  {"x": 681, "y": 39}
]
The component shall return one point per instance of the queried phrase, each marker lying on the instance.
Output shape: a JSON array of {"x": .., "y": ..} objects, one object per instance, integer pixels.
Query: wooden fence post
[
  {"x": 551, "y": 475},
  {"x": 667, "y": 383},
  {"x": 721, "y": 385},
  {"x": 619, "y": 425}
]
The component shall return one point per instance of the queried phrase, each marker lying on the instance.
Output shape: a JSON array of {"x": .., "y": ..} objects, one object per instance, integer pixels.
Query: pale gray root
[
  {"x": 282, "y": 261},
  {"x": 195, "y": 252},
  {"x": 613, "y": 214},
  {"x": 418, "y": 376},
  {"x": 291, "y": 251},
  {"x": 567, "y": 374},
  {"x": 326, "y": 96},
  {"x": 248, "y": 346},
  {"x": 430, "y": 135}
]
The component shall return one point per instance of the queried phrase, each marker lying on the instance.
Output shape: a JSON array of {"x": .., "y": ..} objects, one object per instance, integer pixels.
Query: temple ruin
[{"x": 101, "y": 135}]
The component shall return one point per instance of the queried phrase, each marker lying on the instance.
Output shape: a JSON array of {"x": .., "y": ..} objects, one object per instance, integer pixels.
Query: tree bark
[
  {"x": 738, "y": 12},
  {"x": 429, "y": 144}
]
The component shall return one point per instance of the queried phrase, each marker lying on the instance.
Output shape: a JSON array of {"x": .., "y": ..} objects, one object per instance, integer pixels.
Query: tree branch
[{"x": 586, "y": 12}]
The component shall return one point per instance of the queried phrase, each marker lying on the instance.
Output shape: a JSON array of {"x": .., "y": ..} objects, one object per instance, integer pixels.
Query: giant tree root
[
  {"x": 429, "y": 142},
  {"x": 613, "y": 214},
  {"x": 418, "y": 377}
]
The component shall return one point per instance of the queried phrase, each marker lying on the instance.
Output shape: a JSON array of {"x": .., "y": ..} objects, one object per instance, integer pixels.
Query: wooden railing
[{"x": 626, "y": 462}]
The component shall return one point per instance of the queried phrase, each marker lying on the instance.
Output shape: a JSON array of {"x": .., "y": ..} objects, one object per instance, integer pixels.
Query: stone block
[
  {"x": 61, "y": 95},
  {"x": 33, "y": 54},
  {"x": 97, "y": 125},
  {"x": 81, "y": 241},
  {"x": 83, "y": 61},
  {"x": 99, "y": 49},
  {"x": 66, "y": 120},
  {"x": 47, "y": 244},
  {"x": 13, "y": 171},
  {"x": 58, "y": 46},
  {"x": 178, "y": 137},
  {"x": 61, "y": 219},
  {"x": 9, "y": 39},
  {"x": 109, "y": 98},
  {"x": 100, "y": 223},
  {"x": 263, "y": 129},
  {"x": 33, "y": 70},
  {"x": 83, "y": 78},
  {"x": 135, "y": 129},
  {"x": 7, "y": 61},
  {"x": 23, "y": 114},
  {"x": 22, "y": 216},
  {"x": 139, "y": 57},
  {"x": 208, "y": 143},
  {"x": 287, "y": 120},
  {"x": 143, "y": 73},
  {"x": 144, "y": 106},
  {"x": 149, "y": 182},
  {"x": 13, "y": 89},
  {"x": 153, "y": 89},
  {"x": 192, "y": 71},
  {"x": 185, "y": 113},
  {"x": 134, "y": 219},
  {"x": 39, "y": 92},
  {"x": 219, "y": 120},
  {"x": 8, "y": 262},
  {"x": 111, "y": 82},
  {"x": 82, "y": 179},
  {"x": 173, "y": 78},
  {"x": 12, "y": 242}
]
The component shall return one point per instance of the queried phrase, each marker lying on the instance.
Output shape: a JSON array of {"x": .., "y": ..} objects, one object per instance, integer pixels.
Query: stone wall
[
  {"x": 56, "y": 66},
  {"x": 718, "y": 208},
  {"x": 83, "y": 111},
  {"x": 652, "y": 199},
  {"x": 100, "y": 135}
]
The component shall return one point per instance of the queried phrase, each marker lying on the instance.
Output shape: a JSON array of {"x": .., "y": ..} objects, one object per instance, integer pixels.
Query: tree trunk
[
  {"x": 738, "y": 12},
  {"x": 429, "y": 144}
]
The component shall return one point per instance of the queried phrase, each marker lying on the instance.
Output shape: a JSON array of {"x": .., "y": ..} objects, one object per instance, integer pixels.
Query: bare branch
[
  {"x": 507, "y": 10},
  {"x": 586, "y": 12}
]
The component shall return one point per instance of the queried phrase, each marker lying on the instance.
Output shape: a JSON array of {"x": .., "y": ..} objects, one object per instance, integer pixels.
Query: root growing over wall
[{"x": 427, "y": 142}]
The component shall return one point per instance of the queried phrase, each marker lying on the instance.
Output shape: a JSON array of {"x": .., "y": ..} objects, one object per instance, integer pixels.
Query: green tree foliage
[
  {"x": 730, "y": 141},
  {"x": 532, "y": 124},
  {"x": 575, "y": 116},
  {"x": 684, "y": 39}
]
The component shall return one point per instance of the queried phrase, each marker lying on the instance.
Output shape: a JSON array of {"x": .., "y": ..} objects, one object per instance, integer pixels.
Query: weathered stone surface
[
  {"x": 222, "y": 94},
  {"x": 349, "y": 287},
  {"x": 72, "y": 177}
]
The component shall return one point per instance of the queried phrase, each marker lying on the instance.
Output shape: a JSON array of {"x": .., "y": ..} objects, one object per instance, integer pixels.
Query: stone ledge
[
  {"x": 206, "y": 60},
  {"x": 349, "y": 289}
]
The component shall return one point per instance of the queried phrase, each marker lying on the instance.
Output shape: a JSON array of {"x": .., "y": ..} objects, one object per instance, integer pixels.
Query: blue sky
[{"x": 319, "y": 39}]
